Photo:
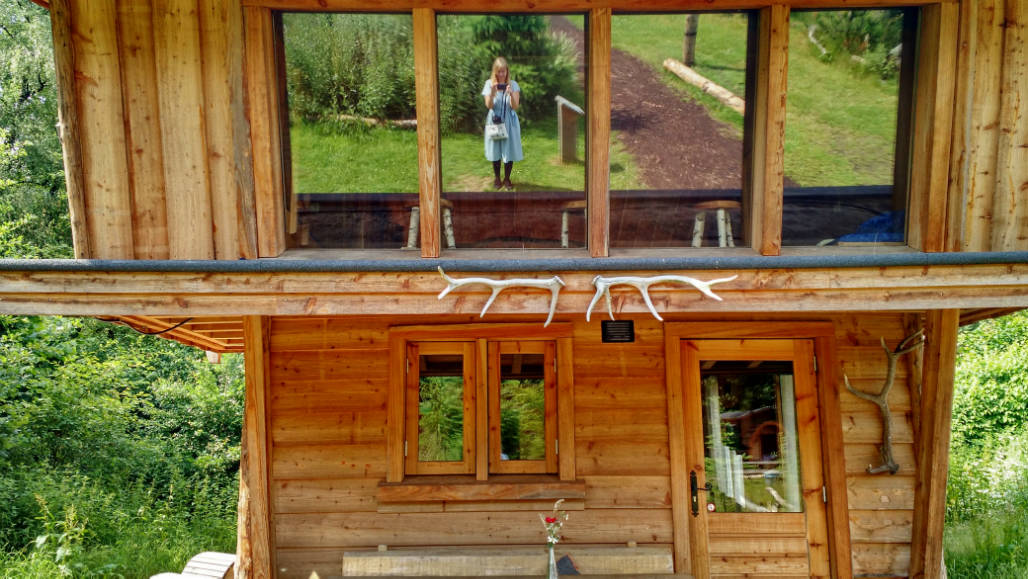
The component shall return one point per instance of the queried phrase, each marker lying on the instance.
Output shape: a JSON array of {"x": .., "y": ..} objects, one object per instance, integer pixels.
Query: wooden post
[
  {"x": 256, "y": 548},
  {"x": 426, "y": 85},
  {"x": 933, "y": 444},
  {"x": 692, "y": 23},
  {"x": 768, "y": 170},
  {"x": 598, "y": 159},
  {"x": 68, "y": 125},
  {"x": 1011, "y": 214},
  {"x": 568, "y": 114}
]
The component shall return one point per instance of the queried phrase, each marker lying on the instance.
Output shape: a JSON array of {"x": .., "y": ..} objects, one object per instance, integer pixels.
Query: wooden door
[{"x": 753, "y": 459}]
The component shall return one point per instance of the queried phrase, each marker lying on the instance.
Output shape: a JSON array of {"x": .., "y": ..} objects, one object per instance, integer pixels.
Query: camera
[
  {"x": 501, "y": 86},
  {"x": 497, "y": 120}
]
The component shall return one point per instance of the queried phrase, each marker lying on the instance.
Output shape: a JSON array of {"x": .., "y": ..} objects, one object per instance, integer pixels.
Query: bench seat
[{"x": 483, "y": 561}]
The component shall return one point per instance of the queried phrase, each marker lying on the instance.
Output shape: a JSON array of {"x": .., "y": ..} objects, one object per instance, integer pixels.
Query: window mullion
[{"x": 426, "y": 83}]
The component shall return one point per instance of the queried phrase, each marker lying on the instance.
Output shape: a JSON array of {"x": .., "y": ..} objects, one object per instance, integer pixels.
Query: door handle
[{"x": 695, "y": 489}]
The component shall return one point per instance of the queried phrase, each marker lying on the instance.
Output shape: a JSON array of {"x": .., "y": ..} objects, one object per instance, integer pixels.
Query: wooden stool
[
  {"x": 724, "y": 222},
  {"x": 415, "y": 225},
  {"x": 566, "y": 209}
]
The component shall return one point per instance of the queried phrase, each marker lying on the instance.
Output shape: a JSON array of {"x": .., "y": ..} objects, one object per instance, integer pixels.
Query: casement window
[
  {"x": 432, "y": 189},
  {"x": 462, "y": 405}
]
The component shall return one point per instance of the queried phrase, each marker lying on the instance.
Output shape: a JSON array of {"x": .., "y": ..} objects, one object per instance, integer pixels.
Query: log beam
[{"x": 255, "y": 547}]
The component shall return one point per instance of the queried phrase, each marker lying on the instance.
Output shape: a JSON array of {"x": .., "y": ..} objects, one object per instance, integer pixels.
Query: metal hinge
[
  {"x": 556, "y": 446},
  {"x": 404, "y": 448},
  {"x": 815, "y": 364},
  {"x": 824, "y": 495}
]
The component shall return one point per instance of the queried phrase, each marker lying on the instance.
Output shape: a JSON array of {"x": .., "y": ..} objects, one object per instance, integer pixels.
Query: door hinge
[
  {"x": 824, "y": 494},
  {"x": 815, "y": 364},
  {"x": 404, "y": 448},
  {"x": 556, "y": 446}
]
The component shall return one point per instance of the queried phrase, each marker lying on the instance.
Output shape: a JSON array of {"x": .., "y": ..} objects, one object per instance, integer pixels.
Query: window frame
[
  {"x": 481, "y": 342},
  {"x": 549, "y": 463},
  {"x": 930, "y": 228}
]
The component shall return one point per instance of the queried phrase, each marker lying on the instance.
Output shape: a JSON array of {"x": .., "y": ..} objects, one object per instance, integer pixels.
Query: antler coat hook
[
  {"x": 882, "y": 399},
  {"x": 554, "y": 284},
  {"x": 603, "y": 285}
]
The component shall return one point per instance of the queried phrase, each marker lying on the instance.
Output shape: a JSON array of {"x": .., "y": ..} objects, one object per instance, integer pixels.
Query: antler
[
  {"x": 554, "y": 284},
  {"x": 603, "y": 285},
  {"x": 882, "y": 398}
]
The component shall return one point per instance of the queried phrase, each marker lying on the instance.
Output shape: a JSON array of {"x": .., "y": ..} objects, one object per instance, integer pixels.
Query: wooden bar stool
[
  {"x": 415, "y": 225},
  {"x": 565, "y": 210},
  {"x": 724, "y": 222}
]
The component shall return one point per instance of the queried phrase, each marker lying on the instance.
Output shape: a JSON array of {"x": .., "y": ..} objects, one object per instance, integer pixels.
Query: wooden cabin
[{"x": 711, "y": 433}]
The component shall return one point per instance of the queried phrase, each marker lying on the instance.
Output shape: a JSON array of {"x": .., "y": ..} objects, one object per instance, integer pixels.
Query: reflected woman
[{"x": 502, "y": 98}]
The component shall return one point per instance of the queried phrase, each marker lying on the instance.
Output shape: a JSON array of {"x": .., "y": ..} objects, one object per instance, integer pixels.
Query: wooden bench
[
  {"x": 483, "y": 561},
  {"x": 207, "y": 565}
]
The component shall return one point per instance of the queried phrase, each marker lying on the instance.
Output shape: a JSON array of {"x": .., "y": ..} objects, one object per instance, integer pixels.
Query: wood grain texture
[
  {"x": 257, "y": 475},
  {"x": 833, "y": 453},
  {"x": 597, "y": 179},
  {"x": 1010, "y": 225},
  {"x": 216, "y": 19},
  {"x": 772, "y": 74},
  {"x": 566, "y": 408},
  {"x": 553, "y": 5},
  {"x": 69, "y": 126},
  {"x": 261, "y": 98},
  {"x": 183, "y": 130},
  {"x": 143, "y": 129},
  {"x": 933, "y": 450},
  {"x": 104, "y": 155},
  {"x": 426, "y": 85}
]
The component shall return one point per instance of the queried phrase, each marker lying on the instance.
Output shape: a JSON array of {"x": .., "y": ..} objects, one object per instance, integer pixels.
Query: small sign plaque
[{"x": 620, "y": 331}]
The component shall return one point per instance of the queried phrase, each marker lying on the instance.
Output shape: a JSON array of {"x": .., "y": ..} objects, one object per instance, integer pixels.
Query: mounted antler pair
[{"x": 602, "y": 284}]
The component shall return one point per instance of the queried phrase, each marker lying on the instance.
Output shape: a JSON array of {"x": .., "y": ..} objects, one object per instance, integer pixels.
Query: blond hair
[{"x": 499, "y": 63}]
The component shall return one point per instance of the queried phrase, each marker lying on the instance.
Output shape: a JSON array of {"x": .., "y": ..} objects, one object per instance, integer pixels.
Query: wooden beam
[
  {"x": 256, "y": 538},
  {"x": 68, "y": 126},
  {"x": 566, "y": 409},
  {"x": 676, "y": 413},
  {"x": 563, "y": 5},
  {"x": 155, "y": 326},
  {"x": 768, "y": 170},
  {"x": 143, "y": 129},
  {"x": 426, "y": 85},
  {"x": 264, "y": 132},
  {"x": 933, "y": 109},
  {"x": 771, "y": 290},
  {"x": 598, "y": 132},
  {"x": 1010, "y": 228},
  {"x": 183, "y": 130},
  {"x": 242, "y": 148},
  {"x": 108, "y": 202},
  {"x": 933, "y": 447},
  {"x": 834, "y": 465}
]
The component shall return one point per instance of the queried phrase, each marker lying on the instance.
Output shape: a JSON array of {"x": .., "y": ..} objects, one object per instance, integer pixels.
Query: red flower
[{"x": 551, "y": 520}]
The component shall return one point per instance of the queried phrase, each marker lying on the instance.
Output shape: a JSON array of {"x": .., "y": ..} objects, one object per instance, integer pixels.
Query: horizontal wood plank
[
  {"x": 880, "y": 526},
  {"x": 880, "y": 492},
  {"x": 326, "y": 461},
  {"x": 325, "y": 495},
  {"x": 474, "y": 490},
  {"x": 627, "y": 492}
]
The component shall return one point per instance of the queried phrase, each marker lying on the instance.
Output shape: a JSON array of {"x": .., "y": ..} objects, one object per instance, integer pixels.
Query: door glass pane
[
  {"x": 749, "y": 428},
  {"x": 522, "y": 407},
  {"x": 441, "y": 408}
]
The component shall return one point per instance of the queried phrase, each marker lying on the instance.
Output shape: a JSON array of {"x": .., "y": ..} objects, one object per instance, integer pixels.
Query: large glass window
[
  {"x": 847, "y": 130},
  {"x": 522, "y": 75},
  {"x": 352, "y": 143},
  {"x": 679, "y": 87}
]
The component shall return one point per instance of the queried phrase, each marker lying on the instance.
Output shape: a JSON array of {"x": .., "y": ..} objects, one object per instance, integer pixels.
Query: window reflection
[
  {"x": 525, "y": 74},
  {"x": 847, "y": 127},
  {"x": 441, "y": 408},
  {"x": 678, "y": 157}
]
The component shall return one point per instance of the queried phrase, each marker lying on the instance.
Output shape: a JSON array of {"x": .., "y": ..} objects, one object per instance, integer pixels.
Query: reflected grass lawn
[{"x": 384, "y": 160}]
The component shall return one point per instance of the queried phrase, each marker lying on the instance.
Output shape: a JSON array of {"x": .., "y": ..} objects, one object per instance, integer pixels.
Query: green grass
[
  {"x": 994, "y": 547},
  {"x": 840, "y": 122},
  {"x": 379, "y": 160}
]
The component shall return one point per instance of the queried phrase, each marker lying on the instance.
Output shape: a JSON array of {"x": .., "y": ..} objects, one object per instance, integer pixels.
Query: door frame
[{"x": 832, "y": 451}]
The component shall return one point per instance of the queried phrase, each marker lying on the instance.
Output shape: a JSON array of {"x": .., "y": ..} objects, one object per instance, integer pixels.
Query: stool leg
[
  {"x": 697, "y": 229},
  {"x": 721, "y": 240},
  {"x": 564, "y": 233},
  {"x": 412, "y": 229},
  {"x": 728, "y": 230},
  {"x": 448, "y": 228}
]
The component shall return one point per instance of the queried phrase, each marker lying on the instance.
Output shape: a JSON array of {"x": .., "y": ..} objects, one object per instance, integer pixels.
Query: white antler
[
  {"x": 554, "y": 284},
  {"x": 603, "y": 285}
]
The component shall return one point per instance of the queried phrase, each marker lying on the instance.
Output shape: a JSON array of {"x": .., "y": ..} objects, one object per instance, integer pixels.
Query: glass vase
[{"x": 551, "y": 572}]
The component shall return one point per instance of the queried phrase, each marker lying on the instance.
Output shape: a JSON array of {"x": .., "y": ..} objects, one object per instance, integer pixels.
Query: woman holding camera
[{"x": 502, "y": 98}]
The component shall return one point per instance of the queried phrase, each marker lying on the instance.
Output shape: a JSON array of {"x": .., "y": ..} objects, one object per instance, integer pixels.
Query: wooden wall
[
  {"x": 160, "y": 165},
  {"x": 989, "y": 161},
  {"x": 154, "y": 128},
  {"x": 328, "y": 388}
]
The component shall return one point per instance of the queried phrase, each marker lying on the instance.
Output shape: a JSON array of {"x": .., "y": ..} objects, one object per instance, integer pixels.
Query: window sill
[{"x": 464, "y": 493}]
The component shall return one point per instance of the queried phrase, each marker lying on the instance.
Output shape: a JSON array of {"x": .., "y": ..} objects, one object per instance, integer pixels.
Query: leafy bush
[{"x": 868, "y": 39}]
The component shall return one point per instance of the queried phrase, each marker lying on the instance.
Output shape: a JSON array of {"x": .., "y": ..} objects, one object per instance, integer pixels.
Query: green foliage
[
  {"x": 522, "y": 419},
  {"x": 33, "y": 207},
  {"x": 995, "y": 547},
  {"x": 441, "y": 419}
]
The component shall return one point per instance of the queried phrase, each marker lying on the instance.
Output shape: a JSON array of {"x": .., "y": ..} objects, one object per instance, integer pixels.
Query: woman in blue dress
[{"x": 502, "y": 98}]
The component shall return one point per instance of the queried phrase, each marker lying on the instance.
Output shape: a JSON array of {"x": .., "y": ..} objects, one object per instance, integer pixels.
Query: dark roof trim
[{"x": 519, "y": 265}]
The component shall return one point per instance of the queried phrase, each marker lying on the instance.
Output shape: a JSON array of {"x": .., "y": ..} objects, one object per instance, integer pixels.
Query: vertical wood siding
[{"x": 328, "y": 400}]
